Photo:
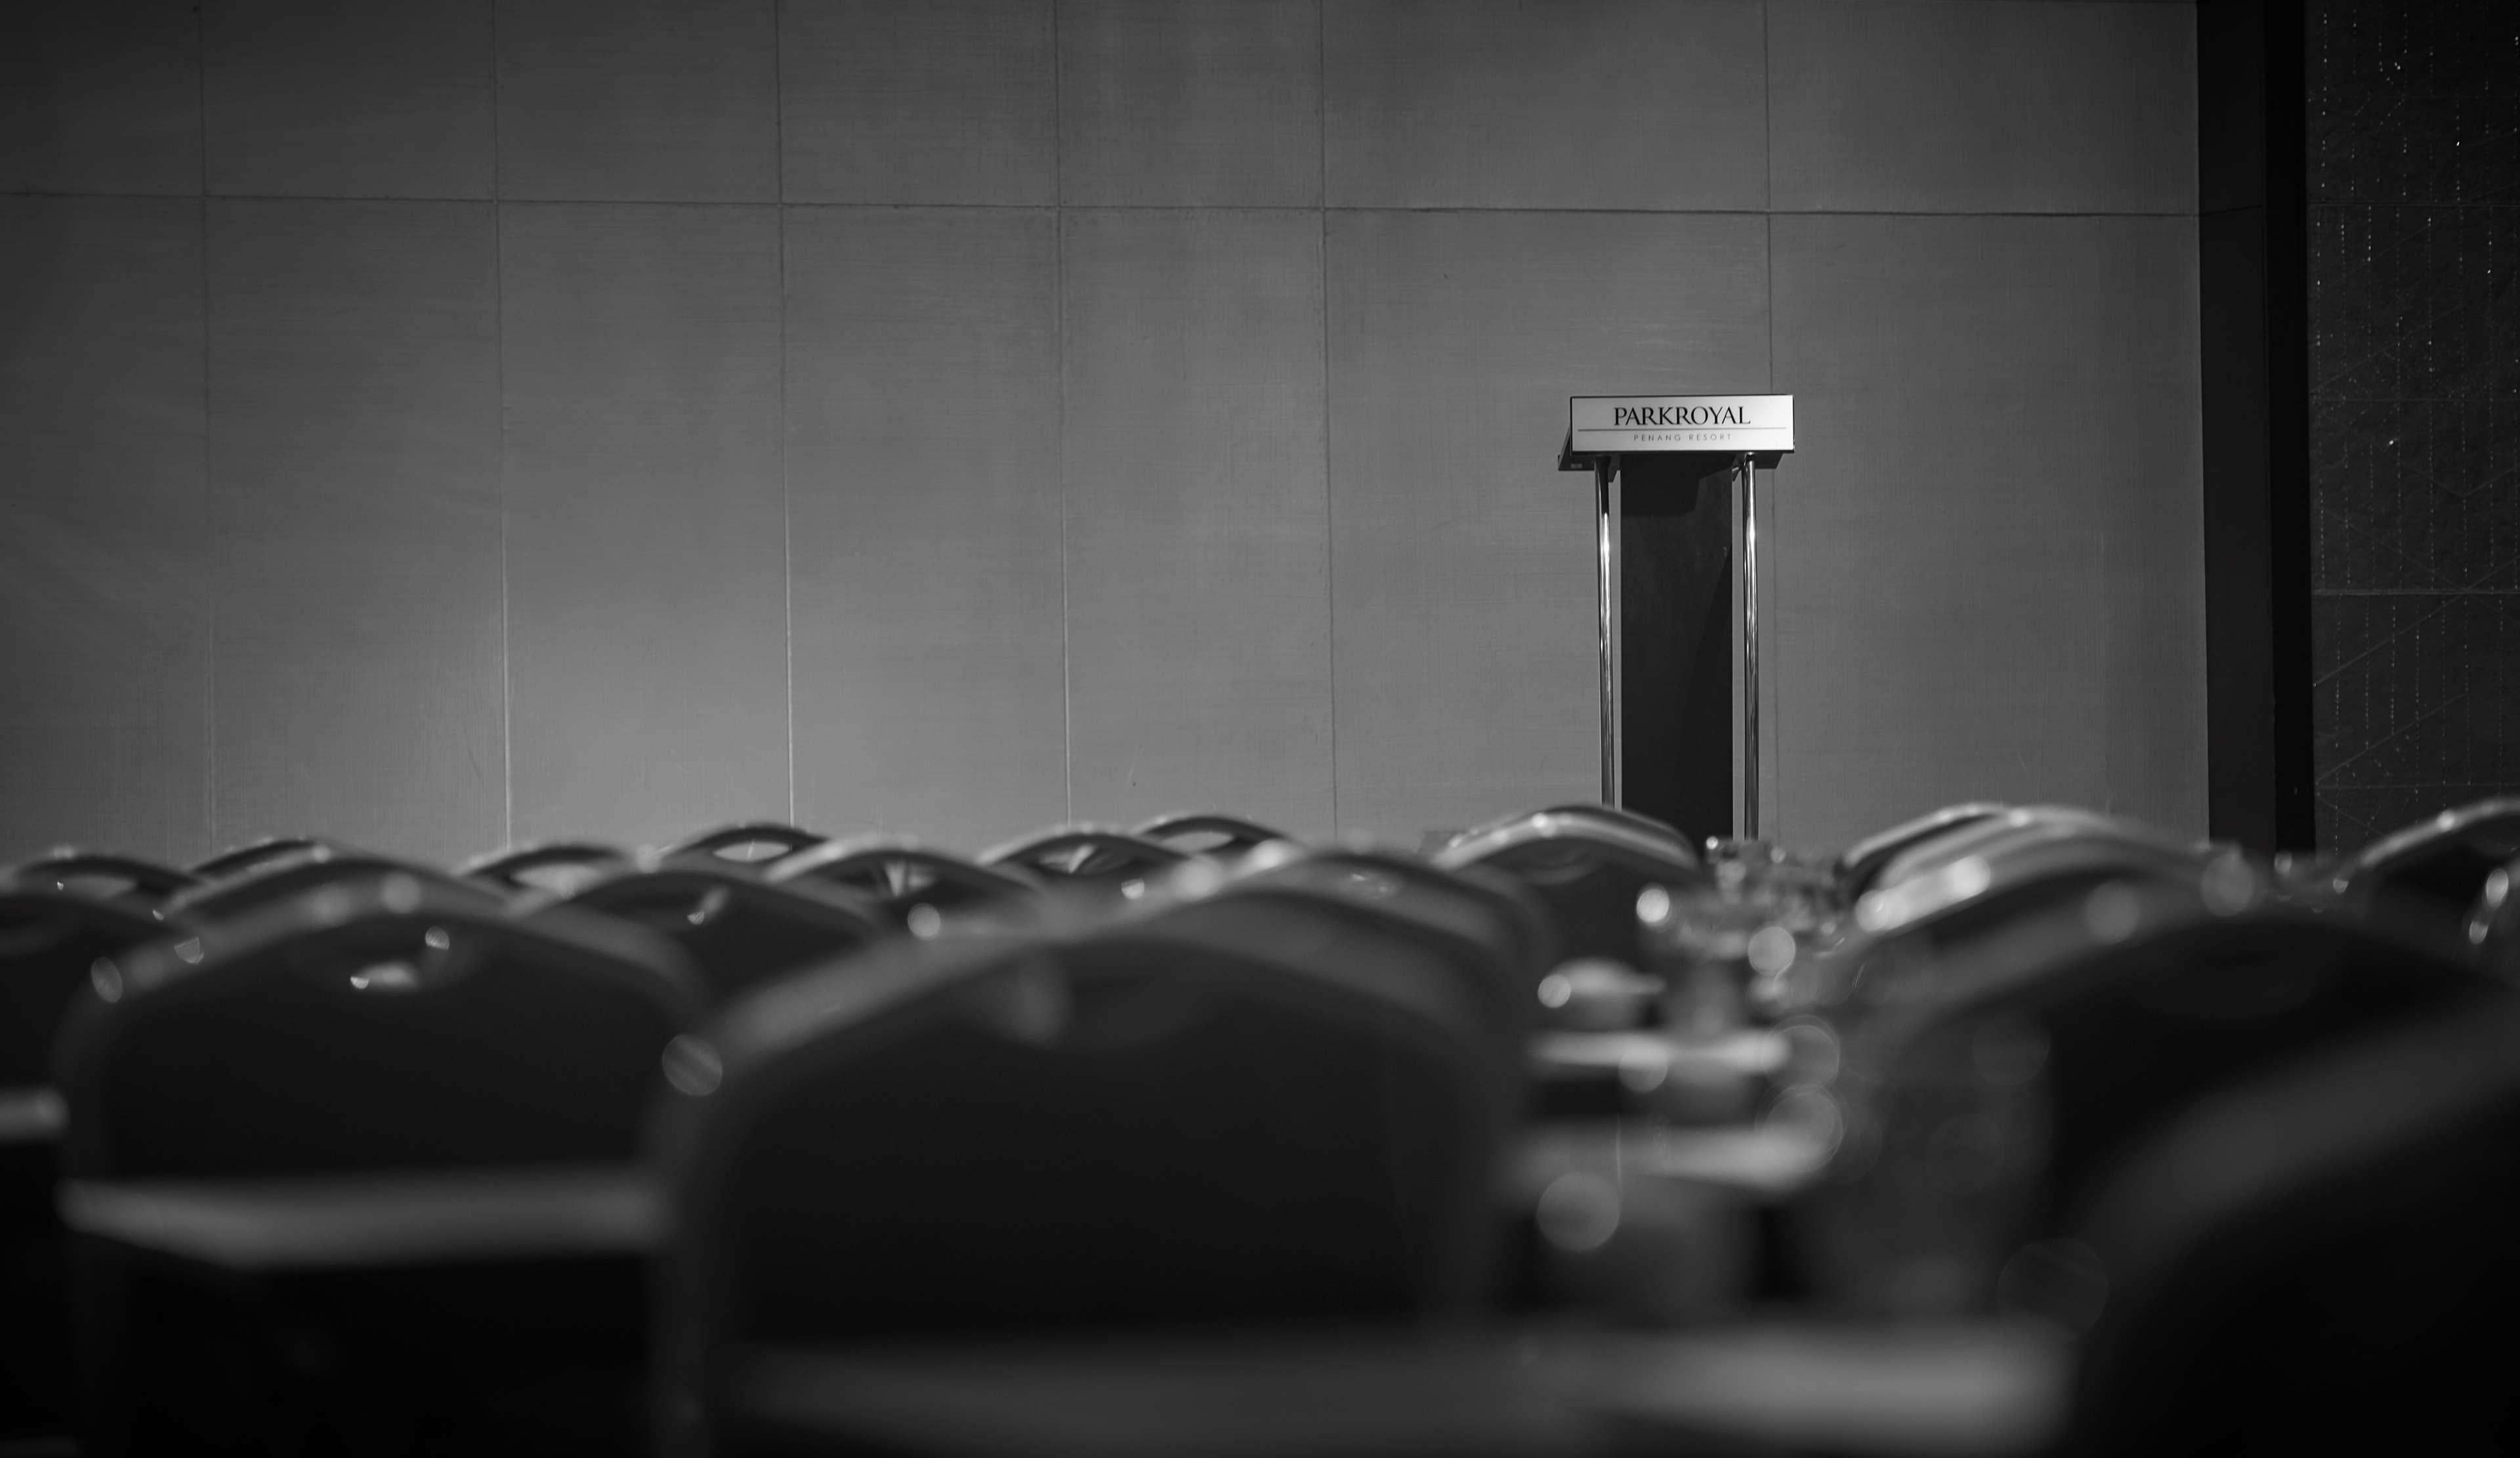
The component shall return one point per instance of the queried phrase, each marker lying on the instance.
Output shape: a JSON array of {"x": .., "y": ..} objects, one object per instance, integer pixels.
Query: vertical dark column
[
  {"x": 1676, "y": 641},
  {"x": 2252, "y": 241}
]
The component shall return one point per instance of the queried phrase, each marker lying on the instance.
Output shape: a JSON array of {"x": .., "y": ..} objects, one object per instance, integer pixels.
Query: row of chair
[{"x": 577, "y": 1149}]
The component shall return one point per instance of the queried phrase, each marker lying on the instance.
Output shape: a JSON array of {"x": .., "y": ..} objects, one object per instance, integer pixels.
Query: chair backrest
[
  {"x": 1864, "y": 860},
  {"x": 279, "y": 877},
  {"x": 1484, "y": 917},
  {"x": 737, "y": 928},
  {"x": 742, "y": 843},
  {"x": 254, "y": 853},
  {"x": 2428, "y": 877},
  {"x": 1107, "y": 862},
  {"x": 124, "y": 880},
  {"x": 373, "y": 1026},
  {"x": 50, "y": 941},
  {"x": 2318, "y": 1258},
  {"x": 1588, "y": 872},
  {"x": 555, "y": 865},
  {"x": 1209, "y": 833},
  {"x": 923, "y": 889},
  {"x": 1986, "y": 1106},
  {"x": 1146, "y": 1124}
]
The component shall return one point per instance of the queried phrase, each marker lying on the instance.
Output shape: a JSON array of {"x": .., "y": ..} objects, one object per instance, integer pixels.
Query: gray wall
[{"x": 436, "y": 425}]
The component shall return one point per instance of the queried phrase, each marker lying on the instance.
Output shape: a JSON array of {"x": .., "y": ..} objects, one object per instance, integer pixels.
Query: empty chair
[
  {"x": 1210, "y": 833},
  {"x": 743, "y": 843},
  {"x": 556, "y": 865},
  {"x": 58, "y": 916},
  {"x": 1089, "y": 860},
  {"x": 1907, "y": 927},
  {"x": 1862, "y": 862},
  {"x": 1608, "y": 815},
  {"x": 1988, "y": 835},
  {"x": 1981, "y": 1102},
  {"x": 1141, "y": 1129},
  {"x": 2318, "y": 1258},
  {"x": 124, "y": 880},
  {"x": 2429, "y": 876},
  {"x": 249, "y": 856},
  {"x": 1589, "y": 872},
  {"x": 291, "y": 873},
  {"x": 737, "y": 928},
  {"x": 923, "y": 889},
  {"x": 359, "y": 1173}
]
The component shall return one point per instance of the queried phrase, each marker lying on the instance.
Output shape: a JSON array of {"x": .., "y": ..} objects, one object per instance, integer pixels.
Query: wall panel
[
  {"x": 1204, "y": 103},
  {"x": 647, "y": 615},
  {"x": 372, "y": 99},
  {"x": 639, "y": 101},
  {"x": 354, "y": 489},
  {"x": 1930, "y": 106},
  {"x": 104, "y": 632},
  {"x": 1468, "y": 679},
  {"x": 100, "y": 95},
  {"x": 1199, "y": 610},
  {"x": 1641, "y": 105},
  {"x": 1989, "y": 574},
  {"x": 947, "y": 100},
  {"x": 923, "y": 432}
]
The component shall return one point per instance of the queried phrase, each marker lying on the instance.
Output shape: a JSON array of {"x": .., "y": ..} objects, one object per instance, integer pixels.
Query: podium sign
[{"x": 1627, "y": 425}]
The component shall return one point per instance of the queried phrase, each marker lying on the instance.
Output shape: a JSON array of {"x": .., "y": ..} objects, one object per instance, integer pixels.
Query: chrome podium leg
[
  {"x": 1605, "y": 510},
  {"x": 1748, "y": 472}
]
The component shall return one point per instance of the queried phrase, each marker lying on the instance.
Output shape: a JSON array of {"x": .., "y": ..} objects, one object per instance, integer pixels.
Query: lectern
[{"x": 1670, "y": 444}]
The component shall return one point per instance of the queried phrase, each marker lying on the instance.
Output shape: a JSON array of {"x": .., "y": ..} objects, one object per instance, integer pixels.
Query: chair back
[
  {"x": 922, "y": 889},
  {"x": 373, "y": 1026},
  {"x": 737, "y": 929},
  {"x": 555, "y": 865}
]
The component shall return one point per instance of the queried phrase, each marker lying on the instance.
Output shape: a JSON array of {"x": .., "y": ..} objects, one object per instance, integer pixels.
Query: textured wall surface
[
  {"x": 2414, "y": 211},
  {"x": 440, "y": 425}
]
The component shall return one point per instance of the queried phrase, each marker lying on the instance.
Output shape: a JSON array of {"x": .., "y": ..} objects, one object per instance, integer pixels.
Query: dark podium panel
[{"x": 1676, "y": 639}]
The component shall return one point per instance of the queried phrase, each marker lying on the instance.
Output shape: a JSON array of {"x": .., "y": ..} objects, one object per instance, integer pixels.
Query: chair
[
  {"x": 737, "y": 928},
  {"x": 1588, "y": 872},
  {"x": 1984, "y": 1098},
  {"x": 1101, "y": 864},
  {"x": 1147, "y": 1128},
  {"x": 359, "y": 1172},
  {"x": 246, "y": 857},
  {"x": 1210, "y": 834},
  {"x": 2428, "y": 877},
  {"x": 1862, "y": 862},
  {"x": 123, "y": 880},
  {"x": 58, "y": 916},
  {"x": 287, "y": 875},
  {"x": 2318, "y": 1259},
  {"x": 556, "y": 865},
  {"x": 743, "y": 843},
  {"x": 922, "y": 890}
]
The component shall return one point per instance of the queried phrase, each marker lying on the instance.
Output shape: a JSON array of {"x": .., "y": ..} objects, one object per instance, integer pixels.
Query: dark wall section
[
  {"x": 2253, "y": 353},
  {"x": 2413, "y": 172}
]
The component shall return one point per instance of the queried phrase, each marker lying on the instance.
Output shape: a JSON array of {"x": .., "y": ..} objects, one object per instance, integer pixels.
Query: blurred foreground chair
[
  {"x": 360, "y": 1174},
  {"x": 737, "y": 929},
  {"x": 287, "y": 875},
  {"x": 1988, "y": 1099},
  {"x": 1152, "y": 1127},
  {"x": 2318, "y": 1259},
  {"x": 1862, "y": 862},
  {"x": 59, "y": 915},
  {"x": 254, "y": 853}
]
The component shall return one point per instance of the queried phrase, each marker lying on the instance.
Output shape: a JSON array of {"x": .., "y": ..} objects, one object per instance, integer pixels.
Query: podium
[{"x": 1664, "y": 451}]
